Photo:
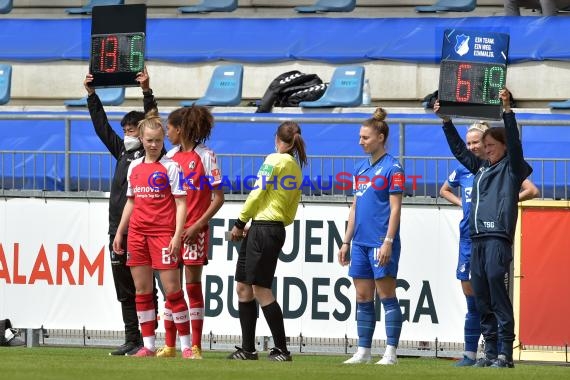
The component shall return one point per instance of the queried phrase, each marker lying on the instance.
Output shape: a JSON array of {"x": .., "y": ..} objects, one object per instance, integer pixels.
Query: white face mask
[{"x": 131, "y": 143}]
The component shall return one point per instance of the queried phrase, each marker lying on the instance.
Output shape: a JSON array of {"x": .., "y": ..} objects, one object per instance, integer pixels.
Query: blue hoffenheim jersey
[
  {"x": 373, "y": 184},
  {"x": 463, "y": 178}
]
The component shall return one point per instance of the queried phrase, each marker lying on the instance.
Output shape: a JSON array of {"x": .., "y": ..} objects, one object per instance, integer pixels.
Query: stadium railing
[
  {"x": 79, "y": 171},
  {"x": 211, "y": 341}
]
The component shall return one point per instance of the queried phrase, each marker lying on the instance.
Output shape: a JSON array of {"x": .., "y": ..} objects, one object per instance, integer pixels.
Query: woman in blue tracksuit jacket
[{"x": 492, "y": 223}]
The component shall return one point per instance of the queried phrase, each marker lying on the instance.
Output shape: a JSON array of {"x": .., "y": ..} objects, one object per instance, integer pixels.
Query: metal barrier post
[
  {"x": 402, "y": 144},
  {"x": 67, "y": 158},
  {"x": 32, "y": 337}
]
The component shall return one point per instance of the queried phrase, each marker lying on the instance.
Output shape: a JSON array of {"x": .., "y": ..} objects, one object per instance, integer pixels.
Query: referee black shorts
[{"x": 258, "y": 254}]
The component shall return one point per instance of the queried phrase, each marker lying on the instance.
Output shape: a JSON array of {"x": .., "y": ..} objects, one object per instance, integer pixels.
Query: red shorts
[
  {"x": 197, "y": 253},
  {"x": 150, "y": 250}
]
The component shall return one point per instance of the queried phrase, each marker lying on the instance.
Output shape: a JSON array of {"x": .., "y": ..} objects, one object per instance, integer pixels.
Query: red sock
[
  {"x": 169, "y": 326},
  {"x": 196, "y": 301},
  {"x": 179, "y": 312},
  {"x": 146, "y": 313}
]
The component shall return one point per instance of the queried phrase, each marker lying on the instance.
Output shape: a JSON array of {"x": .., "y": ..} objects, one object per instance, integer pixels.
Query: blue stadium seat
[
  {"x": 109, "y": 97},
  {"x": 5, "y": 83},
  {"x": 87, "y": 8},
  {"x": 565, "y": 105},
  {"x": 328, "y": 6},
  {"x": 224, "y": 89},
  {"x": 211, "y": 6},
  {"x": 344, "y": 89},
  {"x": 6, "y": 6},
  {"x": 449, "y": 6}
]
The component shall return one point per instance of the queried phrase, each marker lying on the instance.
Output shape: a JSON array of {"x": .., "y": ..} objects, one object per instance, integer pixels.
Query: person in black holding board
[{"x": 124, "y": 150}]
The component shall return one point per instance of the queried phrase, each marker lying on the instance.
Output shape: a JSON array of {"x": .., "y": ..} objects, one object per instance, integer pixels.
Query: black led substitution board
[
  {"x": 473, "y": 69},
  {"x": 117, "y": 44}
]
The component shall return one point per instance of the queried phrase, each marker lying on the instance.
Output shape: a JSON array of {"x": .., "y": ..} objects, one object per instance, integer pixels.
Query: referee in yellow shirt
[{"x": 271, "y": 206}]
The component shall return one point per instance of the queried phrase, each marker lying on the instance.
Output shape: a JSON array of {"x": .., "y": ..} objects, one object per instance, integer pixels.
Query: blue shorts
[
  {"x": 464, "y": 261},
  {"x": 363, "y": 262}
]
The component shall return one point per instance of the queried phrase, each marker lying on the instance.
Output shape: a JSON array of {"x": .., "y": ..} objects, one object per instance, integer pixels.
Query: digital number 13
[{"x": 109, "y": 49}]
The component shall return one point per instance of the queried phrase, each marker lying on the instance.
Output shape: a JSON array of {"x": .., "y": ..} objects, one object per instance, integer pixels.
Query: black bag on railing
[{"x": 288, "y": 89}]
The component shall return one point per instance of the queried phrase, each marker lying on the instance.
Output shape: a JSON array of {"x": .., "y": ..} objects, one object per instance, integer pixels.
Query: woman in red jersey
[
  {"x": 154, "y": 215},
  {"x": 188, "y": 129}
]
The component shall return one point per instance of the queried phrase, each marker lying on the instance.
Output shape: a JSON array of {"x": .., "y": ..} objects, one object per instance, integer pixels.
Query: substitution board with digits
[
  {"x": 117, "y": 44},
  {"x": 472, "y": 72}
]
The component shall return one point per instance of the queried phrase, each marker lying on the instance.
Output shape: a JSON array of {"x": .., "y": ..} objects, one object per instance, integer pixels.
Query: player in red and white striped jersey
[
  {"x": 188, "y": 129},
  {"x": 154, "y": 215}
]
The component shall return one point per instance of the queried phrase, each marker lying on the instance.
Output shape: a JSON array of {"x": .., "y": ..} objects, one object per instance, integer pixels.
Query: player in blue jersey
[
  {"x": 463, "y": 178},
  {"x": 374, "y": 229}
]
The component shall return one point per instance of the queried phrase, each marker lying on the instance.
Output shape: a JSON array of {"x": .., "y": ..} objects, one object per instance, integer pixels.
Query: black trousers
[
  {"x": 490, "y": 266},
  {"x": 125, "y": 289}
]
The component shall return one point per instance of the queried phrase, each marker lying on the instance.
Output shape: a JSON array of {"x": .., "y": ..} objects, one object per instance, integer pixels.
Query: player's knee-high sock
[
  {"x": 147, "y": 318},
  {"x": 393, "y": 319},
  {"x": 365, "y": 323},
  {"x": 180, "y": 317},
  {"x": 169, "y": 326},
  {"x": 499, "y": 342},
  {"x": 472, "y": 328},
  {"x": 248, "y": 320},
  {"x": 274, "y": 317},
  {"x": 196, "y": 302}
]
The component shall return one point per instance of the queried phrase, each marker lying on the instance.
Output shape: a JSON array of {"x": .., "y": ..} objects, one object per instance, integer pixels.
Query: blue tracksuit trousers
[{"x": 490, "y": 265}]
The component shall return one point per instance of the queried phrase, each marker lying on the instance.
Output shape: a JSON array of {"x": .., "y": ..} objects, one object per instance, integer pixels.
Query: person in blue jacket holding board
[
  {"x": 463, "y": 179},
  {"x": 492, "y": 222}
]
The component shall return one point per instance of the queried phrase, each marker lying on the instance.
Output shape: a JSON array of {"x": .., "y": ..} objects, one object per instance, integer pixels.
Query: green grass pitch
[{"x": 57, "y": 363}]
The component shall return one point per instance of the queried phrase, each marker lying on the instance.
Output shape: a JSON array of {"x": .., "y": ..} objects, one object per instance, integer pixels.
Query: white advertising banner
[
  {"x": 55, "y": 271},
  {"x": 54, "y": 264}
]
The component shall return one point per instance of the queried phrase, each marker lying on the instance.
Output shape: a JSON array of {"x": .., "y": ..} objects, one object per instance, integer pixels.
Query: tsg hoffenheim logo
[{"x": 462, "y": 44}]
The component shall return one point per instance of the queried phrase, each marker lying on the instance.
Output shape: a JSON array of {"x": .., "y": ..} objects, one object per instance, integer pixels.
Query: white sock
[
  {"x": 184, "y": 342},
  {"x": 149, "y": 342},
  {"x": 390, "y": 351},
  {"x": 363, "y": 351}
]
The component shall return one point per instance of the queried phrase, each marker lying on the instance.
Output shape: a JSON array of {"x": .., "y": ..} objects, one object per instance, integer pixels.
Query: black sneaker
[
  {"x": 241, "y": 354},
  {"x": 277, "y": 355},
  {"x": 136, "y": 348},
  {"x": 484, "y": 362},
  {"x": 503, "y": 363},
  {"x": 125, "y": 349}
]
